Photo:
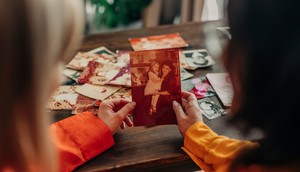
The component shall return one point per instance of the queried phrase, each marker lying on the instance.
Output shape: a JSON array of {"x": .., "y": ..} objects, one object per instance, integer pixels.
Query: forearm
[
  {"x": 164, "y": 93},
  {"x": 210, "y": 151},
  {"x": 78, "y": 142}
]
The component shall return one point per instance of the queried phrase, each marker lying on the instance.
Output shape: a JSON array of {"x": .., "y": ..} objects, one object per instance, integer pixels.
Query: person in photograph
[
  {"x": 136, "y": 78},
  {"x": 165, "y": 114},
  {"x": 153, "y": 84}
]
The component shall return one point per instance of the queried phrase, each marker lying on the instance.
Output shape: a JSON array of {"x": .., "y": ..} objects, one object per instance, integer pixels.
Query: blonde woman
[{"x": 34, "y": 36}]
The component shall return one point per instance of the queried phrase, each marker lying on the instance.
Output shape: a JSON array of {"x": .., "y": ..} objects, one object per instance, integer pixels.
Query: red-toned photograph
[
  {"x": 155, "y": 81},
  {"x": 158, "y": 42}
]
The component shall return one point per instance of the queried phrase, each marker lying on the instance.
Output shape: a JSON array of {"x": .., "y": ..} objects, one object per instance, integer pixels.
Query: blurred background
[{"x": 112, "y": 15}]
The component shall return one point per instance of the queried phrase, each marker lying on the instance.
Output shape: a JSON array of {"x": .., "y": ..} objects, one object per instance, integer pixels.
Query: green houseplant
[{"x": 113, "y": 13}]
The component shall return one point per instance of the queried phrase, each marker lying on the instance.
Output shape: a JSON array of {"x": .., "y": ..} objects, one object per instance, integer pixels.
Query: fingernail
[
  {"x": 133, "y": 104},
  {"x": 175, "y": 103}
]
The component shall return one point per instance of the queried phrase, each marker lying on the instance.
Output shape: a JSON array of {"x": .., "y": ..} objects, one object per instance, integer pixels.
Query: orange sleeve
[
  {"x": 210, "y": 151},
  {"x": 79, "y": 138}
]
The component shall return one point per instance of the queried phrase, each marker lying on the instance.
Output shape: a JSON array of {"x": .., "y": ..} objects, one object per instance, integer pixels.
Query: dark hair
[
  {"x": 168, "y": 63},
  {"x": 263, "y": 59}
]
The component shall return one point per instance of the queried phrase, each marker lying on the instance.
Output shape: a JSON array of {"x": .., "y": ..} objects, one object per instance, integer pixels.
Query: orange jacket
[
  {"x": 210, "y": 151},
  {"x": 79, "y": 138}
]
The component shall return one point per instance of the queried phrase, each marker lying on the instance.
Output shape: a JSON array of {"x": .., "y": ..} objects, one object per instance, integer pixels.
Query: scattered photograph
[
  {"x": 72, "y": 74},
  {"x": 64, "y": 98},
  {"x": 81, "y": 60},
  {"x": 96, "y": 92},
  {"x": 122, "y": 58},
  {"x": 158, "y": 42},
  {"x": 222, "y": 85},
  {"x": 198, "y": 58},
  {"x": 198, "y": 86},
  {"x": 123, "y": 93},
  {"x": 84, "y": 104},
  {"x": 98, "y": 73},
  {"x": 183, "y": 62},
  {"x": 210, "y": 109},
  {"x": 106, "y": 53},
  {"x": 122, "y": 78},
  {"x": 184, "y": 74}
]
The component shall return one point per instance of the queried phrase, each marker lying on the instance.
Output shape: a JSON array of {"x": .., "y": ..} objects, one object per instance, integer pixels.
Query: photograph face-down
[{"x": 155, "y": 81}]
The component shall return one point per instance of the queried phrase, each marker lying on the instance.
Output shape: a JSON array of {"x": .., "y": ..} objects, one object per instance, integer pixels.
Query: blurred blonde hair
[{"x": 34, "y": 36}]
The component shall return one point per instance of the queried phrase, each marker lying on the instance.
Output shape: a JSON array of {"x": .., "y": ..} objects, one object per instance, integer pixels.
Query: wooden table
[{"x": 151, "y": 148}]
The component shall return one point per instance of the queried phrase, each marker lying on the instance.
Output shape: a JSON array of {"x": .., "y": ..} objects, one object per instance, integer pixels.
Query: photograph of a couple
[{"x": 155, "y": 81}]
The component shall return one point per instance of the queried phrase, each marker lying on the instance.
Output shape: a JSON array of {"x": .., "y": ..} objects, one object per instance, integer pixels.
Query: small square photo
[{"x": 198, "y": 58}]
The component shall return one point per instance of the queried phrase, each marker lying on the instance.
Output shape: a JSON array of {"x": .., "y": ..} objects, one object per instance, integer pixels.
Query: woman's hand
[
  {"x": 114, "y": 113},
  {"x": 190, "y": 113}
]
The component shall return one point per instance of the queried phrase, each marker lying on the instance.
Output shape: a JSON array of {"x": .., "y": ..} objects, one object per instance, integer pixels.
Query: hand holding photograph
[{"x": 155, "y": 83}]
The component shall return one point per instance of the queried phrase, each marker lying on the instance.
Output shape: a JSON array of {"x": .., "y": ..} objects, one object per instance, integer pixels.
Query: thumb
[
  {"x": 126, "y": 109},
  {"x": 178, "y": 111}
]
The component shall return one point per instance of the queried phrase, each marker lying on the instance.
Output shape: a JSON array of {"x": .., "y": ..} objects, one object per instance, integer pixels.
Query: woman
[
  {"x": 168, "y": 93},
  {"x": 262, "y": 59},
  {"x": 34, "y": 36}
]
